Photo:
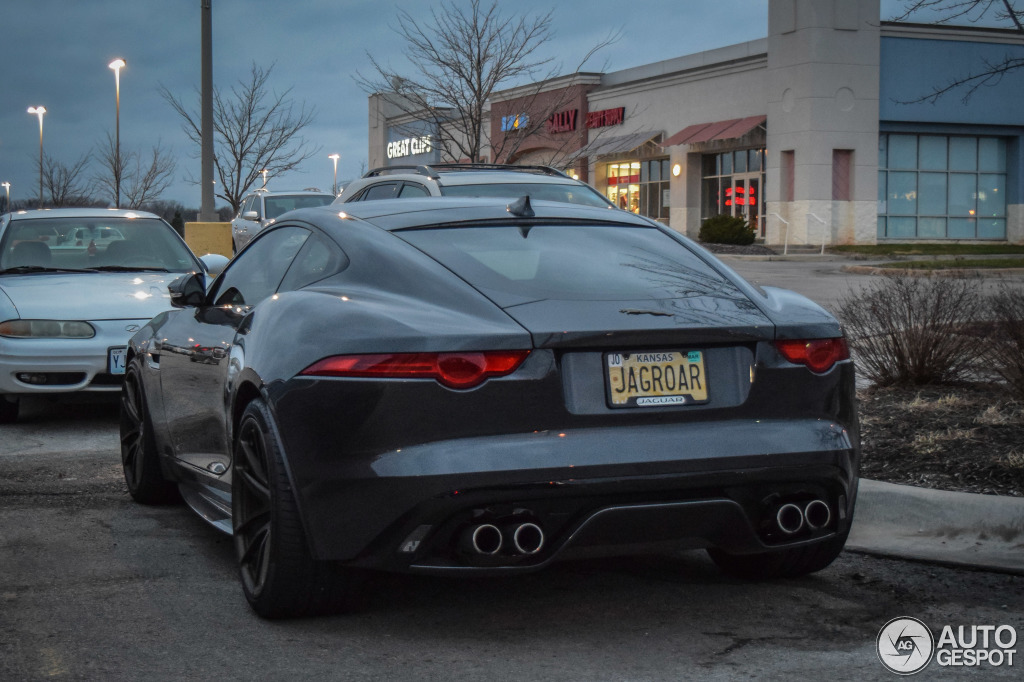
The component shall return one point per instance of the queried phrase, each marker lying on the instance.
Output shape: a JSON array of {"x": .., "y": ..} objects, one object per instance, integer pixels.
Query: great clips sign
[{"x": 566, "y": 121}]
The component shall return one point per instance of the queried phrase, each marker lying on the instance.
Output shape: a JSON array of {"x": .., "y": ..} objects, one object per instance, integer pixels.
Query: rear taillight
[
  {"x": 454, "y": 370},
  {"x": 817, "y": 354}
]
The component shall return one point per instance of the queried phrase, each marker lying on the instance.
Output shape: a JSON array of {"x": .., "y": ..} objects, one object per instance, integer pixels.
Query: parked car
[
  {"x": 75, "y": 284},
  {"x": 472, "y": 180},
  {"x": 472, "y": 386},
  {"x": 262, "y": 207}
]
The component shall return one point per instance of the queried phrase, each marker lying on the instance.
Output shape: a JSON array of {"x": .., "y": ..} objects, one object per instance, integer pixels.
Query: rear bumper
[{"x": 593, "y": 489}]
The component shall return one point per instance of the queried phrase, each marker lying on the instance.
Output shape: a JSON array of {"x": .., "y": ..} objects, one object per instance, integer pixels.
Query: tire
[
  {"x": 139, "y": 458},
  {"x": 9, "y": 409},
  {"x": 783, "y": 563},
  {"x": 279, "y": 575}
]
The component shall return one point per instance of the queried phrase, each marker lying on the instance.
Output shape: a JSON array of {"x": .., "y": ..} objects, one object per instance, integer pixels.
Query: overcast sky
[{"x": 55, "y": 54}]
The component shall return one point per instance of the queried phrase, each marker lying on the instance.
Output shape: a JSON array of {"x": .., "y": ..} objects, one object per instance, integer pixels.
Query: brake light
[
  {"x": 454, "y": 370},
  {"x": 817, "y": 354}
]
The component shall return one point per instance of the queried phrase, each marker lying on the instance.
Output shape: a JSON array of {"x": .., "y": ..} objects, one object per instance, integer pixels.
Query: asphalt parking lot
[{"x": 95, "y": 587}]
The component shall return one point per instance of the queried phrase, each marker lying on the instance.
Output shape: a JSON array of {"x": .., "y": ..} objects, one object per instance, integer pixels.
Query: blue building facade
[{"x": 950, "y": 166}]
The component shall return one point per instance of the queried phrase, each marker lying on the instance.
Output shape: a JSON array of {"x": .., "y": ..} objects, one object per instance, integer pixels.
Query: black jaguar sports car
[{"x": 470, "y": 386}]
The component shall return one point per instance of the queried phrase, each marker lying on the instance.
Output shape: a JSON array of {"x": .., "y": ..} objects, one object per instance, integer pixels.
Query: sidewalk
[{"x": 957, "y": 529}]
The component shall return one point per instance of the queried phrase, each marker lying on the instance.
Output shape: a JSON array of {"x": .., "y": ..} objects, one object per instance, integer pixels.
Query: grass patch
[
  {"x": 929, "y": 249},
  {"x": 955, "y": 264}
]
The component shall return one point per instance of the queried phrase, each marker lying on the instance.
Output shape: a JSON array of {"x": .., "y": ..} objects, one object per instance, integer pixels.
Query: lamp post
[
  {"x": 334, "y": 158},
  {"x": 264, "y": 171},
  {"x": 117, "y": 65},
  {"x": 7, "y": 186},
  {"x": 39, "y": 111}
]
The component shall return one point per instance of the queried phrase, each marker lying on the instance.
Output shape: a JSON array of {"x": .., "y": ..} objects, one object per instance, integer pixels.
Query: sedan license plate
[
  {"x": 116, "y": 360},
  {"x": 656, "y": 379}
]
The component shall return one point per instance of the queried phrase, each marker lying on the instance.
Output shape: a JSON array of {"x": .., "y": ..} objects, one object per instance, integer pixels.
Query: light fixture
[{"x": 676, "y": 170}]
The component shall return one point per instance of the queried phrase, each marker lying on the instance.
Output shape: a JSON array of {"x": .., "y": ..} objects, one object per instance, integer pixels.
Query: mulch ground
[{"x": 968, "y": 438}]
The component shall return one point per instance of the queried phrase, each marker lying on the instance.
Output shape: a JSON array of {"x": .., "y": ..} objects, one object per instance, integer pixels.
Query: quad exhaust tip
[
  {"x": 817, "y": 514},
  {"x": 488, "y": 539},
  {"x": 528, "y": 538},
  {"x": 790, "y": 518},
  {"x": 485, "y": 539}
]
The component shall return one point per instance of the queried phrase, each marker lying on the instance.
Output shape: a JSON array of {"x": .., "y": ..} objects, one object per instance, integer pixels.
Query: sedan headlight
[{"x": 46, "y": 329}]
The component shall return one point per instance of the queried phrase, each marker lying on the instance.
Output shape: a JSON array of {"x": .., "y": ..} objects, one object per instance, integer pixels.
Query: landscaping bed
[{"x": 967, "y": 438}]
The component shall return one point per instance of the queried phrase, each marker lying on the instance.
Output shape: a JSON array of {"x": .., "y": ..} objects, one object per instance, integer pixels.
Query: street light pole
[
  {"x": 39, "y": 111},
  {"x": 207, "y": 210},
  {"x": 334, "y": 158},
  {"x": 7, "y": 186},
  {"x": 117, "y": 65}
]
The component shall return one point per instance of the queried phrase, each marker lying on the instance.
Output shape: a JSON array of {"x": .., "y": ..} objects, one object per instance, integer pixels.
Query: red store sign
[
  {"x": 606, "y": 117},
  {"x": 565, "y": 121}
]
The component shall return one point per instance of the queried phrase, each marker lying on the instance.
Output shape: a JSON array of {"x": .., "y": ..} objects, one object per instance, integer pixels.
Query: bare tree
[
  {"x": 65, "y": 184},
  {"x": 459, "y": 58},
  {"x": 254, "y": 130},
  {"x": 142, "y": 180},
  {"x": 988, "y": 72}
]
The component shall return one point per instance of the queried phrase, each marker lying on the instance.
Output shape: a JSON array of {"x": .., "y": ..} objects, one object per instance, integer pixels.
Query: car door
[
  {"x": 200, "y": 354},
  {"x": 243, "y": 229}
]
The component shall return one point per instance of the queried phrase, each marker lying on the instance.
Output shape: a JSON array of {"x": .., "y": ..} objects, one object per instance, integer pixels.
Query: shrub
[
  {"x": 907, "y": 330},
  {"x": 726, "y": 229},
  {"x": 1004, "y": 347}
]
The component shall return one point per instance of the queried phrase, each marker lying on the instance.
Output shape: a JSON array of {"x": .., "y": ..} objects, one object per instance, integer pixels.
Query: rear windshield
[
  {"x": 565, "y": 193},
  {"x": 516, "y": 264},
  {"x": 275, "y": 206},
  {"x": 90, "y": 242}
]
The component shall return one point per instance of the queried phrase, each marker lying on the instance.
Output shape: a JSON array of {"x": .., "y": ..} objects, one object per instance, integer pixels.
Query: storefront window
[
  {"x": 624, "y": 185},
  {"x": 733, "y": 184},
  {"x": 941, "y": 187},
  {"x": 641, "y": 187}
]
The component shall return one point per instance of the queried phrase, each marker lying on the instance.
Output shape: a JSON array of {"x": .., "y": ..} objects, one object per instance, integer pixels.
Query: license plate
[
  {"x": 656, "y": 379},
  {"x": 116, "y": 360}
]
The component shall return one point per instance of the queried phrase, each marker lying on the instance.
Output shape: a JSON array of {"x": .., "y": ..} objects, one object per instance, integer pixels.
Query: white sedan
[{"x": 75, "y": 284}]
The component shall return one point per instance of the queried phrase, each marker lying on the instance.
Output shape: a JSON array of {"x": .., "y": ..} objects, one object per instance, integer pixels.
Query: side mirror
[
  {"x": 214, "y": 263},
  {"x": 188, "y": 291},
  {"x": 250, "y": 215}
]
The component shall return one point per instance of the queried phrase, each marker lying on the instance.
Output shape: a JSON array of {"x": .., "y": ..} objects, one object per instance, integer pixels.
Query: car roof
[
  {"x": 281, "y": 192},
  {"x": 397, "y": 214},
  {"x": 471, "y": 174},
  {"x": 81, "y": 213}
]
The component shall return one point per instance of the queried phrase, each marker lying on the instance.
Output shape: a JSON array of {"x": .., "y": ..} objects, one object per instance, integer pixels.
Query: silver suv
[
  {"x": 262, "y": 207},
  {"x": 472, "y": 180}
]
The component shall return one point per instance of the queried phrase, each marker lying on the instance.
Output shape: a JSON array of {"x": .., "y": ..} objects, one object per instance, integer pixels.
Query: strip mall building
[{"x": 815, "y": 134}]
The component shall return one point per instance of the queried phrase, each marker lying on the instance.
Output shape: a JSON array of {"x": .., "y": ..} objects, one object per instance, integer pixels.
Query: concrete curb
[
  {"x": 951, "y": 272},
  {"x": 939, "y": 526}
]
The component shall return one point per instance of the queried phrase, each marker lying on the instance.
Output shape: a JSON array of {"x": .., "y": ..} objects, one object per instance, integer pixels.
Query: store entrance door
[{"x": 744, "y": 199}]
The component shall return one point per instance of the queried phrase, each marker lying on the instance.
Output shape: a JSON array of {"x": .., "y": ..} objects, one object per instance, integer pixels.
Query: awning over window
[
  {"x": 718, "y": 130},
  {"x": 619, "y": 144}
]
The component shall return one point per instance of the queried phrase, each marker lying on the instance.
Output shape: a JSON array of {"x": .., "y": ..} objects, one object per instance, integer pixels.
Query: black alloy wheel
[
  {"x": 279, "y": 576},
  {"x": 139, "y": 458}
]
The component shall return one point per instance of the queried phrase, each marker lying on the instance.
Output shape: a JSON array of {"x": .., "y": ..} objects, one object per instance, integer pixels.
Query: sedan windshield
[
  {"x": 93, "y": 243},
  {"x": 565, "y": 193}
]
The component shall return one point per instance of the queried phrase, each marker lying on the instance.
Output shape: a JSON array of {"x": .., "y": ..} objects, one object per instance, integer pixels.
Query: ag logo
[{"x": 905, "y": 645}]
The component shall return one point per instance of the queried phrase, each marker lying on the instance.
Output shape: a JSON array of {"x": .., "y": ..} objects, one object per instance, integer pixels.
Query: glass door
[{"x": 743, "y": 199}]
